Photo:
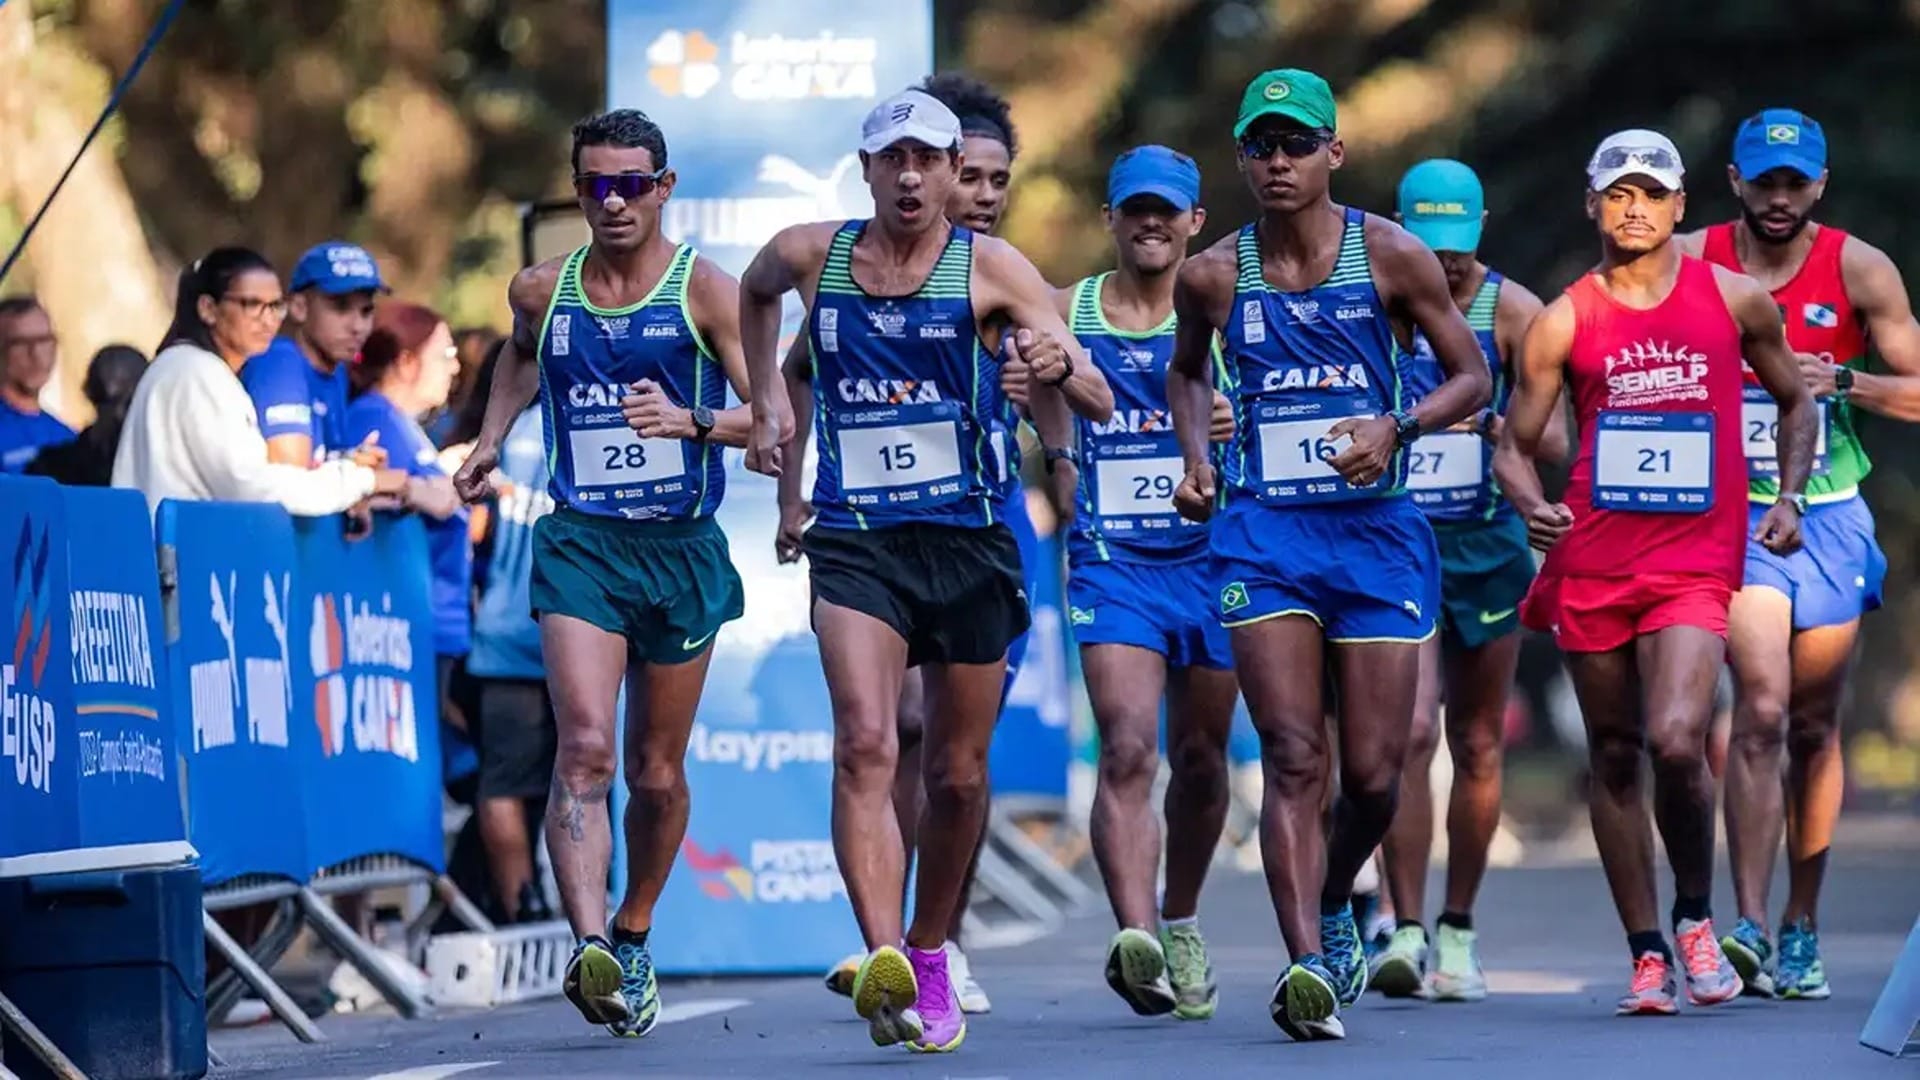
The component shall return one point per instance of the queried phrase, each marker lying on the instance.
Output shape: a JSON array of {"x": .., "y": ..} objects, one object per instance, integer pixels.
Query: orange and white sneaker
[
  {"x": 1711, "y": 977},
  {"x": 1652, "y": 991}
]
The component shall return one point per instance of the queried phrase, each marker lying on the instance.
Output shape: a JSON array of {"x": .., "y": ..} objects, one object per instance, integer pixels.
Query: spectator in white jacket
[{"x": 192, "y": 432}]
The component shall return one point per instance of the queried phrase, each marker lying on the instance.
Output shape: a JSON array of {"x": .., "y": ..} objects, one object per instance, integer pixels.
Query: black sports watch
[
  {"x": 1064, "y": 375},
  {"x": 1066, "y": 453},
  {"x": 1405, "y": 427},
  {"x": 1842, "y": 380},
  {"x": 702, "y": 422}
]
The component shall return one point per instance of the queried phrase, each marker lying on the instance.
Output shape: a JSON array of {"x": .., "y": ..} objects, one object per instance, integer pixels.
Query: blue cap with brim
[
  {"x": 1154, "y": 170},
  {"x": 1780, "y": 139},
  {"x": 337, "y": 269},
  {"x": 1442, "y": 204}
]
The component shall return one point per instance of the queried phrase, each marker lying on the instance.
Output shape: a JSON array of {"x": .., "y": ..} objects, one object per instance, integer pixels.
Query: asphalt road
[{"x": 1551, "y": 944}]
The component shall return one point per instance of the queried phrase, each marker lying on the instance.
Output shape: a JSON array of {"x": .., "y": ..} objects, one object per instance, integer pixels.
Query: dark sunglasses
[
  {"x": 1294, "y": 142},
  {"x": 628, "y": 185}
]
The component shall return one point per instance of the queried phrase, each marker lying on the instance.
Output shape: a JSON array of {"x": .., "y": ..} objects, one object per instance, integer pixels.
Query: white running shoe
[{"x": 973, "y": 1000}]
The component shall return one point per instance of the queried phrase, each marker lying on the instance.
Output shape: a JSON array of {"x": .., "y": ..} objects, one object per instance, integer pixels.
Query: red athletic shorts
[{"x": 1599, "y": 614}]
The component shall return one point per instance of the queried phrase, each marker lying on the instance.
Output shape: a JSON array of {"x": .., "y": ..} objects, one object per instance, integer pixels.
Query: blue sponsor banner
[
  {"x": 1031, "y": 744},
  {"x": 761, "y": 103},
  {"x": 128, "y": 769},
  {"x": 361, "y": 618},
  {"x": 756, "y": 888},
  {"x": 231, "y": 643},
  {"x": 39, "y": 751}
]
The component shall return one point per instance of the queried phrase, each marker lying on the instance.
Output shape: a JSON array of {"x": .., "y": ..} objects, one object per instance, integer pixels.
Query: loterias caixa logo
[{"x": 26, "y": 718}]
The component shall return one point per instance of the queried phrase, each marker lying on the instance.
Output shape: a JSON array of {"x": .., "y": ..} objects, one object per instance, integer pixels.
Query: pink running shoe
[{"x": 943, "y": 1025}]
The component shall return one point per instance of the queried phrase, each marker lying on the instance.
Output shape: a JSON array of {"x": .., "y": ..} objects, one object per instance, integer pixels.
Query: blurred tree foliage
[{"x": 415, "y": 126}]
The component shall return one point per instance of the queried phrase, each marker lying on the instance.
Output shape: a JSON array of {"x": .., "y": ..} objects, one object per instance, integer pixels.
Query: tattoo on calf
[{"x": 568, "y": 807}]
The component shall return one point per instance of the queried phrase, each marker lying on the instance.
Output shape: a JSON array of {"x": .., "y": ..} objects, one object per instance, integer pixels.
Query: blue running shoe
[
  {"x": 1346, "y": 960},
  {"x": 1304, "y": 1002},
  {"x": 637, "y": 987},
  {"x": 1752, "y": 956},
  {"x": 1801, "y": 973}
]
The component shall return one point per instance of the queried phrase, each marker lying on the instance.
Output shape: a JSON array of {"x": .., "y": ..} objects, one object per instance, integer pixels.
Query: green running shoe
[{"x": 1194, "y": 991}]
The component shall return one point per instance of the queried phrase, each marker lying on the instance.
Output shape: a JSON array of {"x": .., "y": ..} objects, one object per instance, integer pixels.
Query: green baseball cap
[{"x": 1300, "y": 96}]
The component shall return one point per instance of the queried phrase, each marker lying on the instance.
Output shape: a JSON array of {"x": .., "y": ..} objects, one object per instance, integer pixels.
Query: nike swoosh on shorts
[
  {"x": 691, "y": 645},
  {"x": 1488, "y": 618}
]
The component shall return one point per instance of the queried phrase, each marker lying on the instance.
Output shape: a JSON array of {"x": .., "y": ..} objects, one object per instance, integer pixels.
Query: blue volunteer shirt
[
  {"x": 292, "y": 398},
  {"x": 448, "y": 548},
  {"x": 24, "y": 435},
  {"x": 506, "y": 639}
]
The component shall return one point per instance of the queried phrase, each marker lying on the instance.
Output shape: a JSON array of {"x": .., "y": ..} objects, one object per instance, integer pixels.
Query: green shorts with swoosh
[
  {"x": 1485, "y": 570},
  {"x": 666, "y": 586}
]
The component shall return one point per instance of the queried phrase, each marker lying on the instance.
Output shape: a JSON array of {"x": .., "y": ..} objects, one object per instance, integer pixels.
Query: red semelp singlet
[{"x": 1657, "y": 394}]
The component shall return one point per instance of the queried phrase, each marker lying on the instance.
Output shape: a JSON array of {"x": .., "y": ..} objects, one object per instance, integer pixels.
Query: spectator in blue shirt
[
  {"x": 299, "y": 384},
  {"x": 28, "y": 352},
  {"x": 514, "y": 729},
  {"x": 404, "y": 372}
]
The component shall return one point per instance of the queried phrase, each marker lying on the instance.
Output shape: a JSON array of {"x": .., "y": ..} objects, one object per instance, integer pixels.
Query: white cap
[
  {"x": 1635, "y": 152},
  {"x": 910, "y": 114}
]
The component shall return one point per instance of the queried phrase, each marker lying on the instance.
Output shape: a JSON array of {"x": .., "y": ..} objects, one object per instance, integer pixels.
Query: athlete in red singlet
[
  {"x": 1793, "y": 626},
  {"x": 1646, "y": 551}
]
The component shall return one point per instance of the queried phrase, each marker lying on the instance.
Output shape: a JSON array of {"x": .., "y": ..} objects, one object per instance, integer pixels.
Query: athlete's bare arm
[
  {"x": 1202, "y": 300},
  {"x": 1763, "y": 341},
  {"x": 1415, "y": 290},
  {"x": 791, "y": 260},
  {"x": 516, "y": 376},
  {"x": 795, "y": 511},
  {"x": 1052, "y": 419},
  {"x": 1876, "y": 291},
  {"x": 1516, "y": 310},
  {"x": 713, "y": 300},
  {"x": 1539, "y": 382},
  {"x": 1006, "y": 284}
]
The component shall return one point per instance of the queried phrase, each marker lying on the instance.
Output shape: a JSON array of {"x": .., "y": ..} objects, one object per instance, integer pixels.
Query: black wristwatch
[
  {"x": 702, "y": 422},
  {"x": 1064, "y": 375},
  {"x": 1067, "y": 453},
  {"x": 1405, "y": 428},
  {"x": 1842, "y": 380}
]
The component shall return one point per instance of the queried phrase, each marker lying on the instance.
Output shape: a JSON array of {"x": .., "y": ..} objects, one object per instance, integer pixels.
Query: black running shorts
[{"x": 955, "y": 594}]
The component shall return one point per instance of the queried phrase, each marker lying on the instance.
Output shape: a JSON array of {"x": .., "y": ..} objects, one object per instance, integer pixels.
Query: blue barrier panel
[
  {"x": 363, "y": 616},
  {"x": 39, "y": 748},
  {"x": 1030, "y": 746},
  {"x": 756, "y": 888},
  {"x": 128, "y": 763},
  {"x": 229, "y": 573}
]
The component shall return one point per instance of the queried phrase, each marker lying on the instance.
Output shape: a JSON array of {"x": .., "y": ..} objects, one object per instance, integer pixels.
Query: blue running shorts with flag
[
  {"x": 1162, "y": 607},
  {"x": 1367, "y": 570},
  {"x": 1837, "y": 574}
]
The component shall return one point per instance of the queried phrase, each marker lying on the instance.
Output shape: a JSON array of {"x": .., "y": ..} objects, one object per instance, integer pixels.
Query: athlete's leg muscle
[
  {"x": 1678, "y": 668},
  {"x": 1607, "y": 686},
  {"x": 1377, "y": 684},
  {"x": 1759, "y": 644},
  {"x": 1125, "y": 684},
  {"x": 1199, "y": 717},
  {"x": 1478, "y": 683},
  {"x": 1280, "y": 662},
  {"x": 863, "y": 659},
  {"x": 661, "y": 701},
  {"x": 1409, "y": 842},
  {"x": 584, "y": 669},
  {"x": 907, "y": 794},
  {"x": 1816, "y": 776},
  {"x": 963, "y": 702}
]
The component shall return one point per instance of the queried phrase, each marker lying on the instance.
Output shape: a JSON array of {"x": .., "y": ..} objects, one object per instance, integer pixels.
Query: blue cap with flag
[
  {"x": 1442, "y": 204},
  {"x": 337, "y": 269},
  {"x": 1154, "y": 170},
  {"x": 1780, "y": 139}
]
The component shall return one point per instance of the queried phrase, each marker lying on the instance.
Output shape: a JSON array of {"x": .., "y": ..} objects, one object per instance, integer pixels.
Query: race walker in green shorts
[
  {"x": 1485, "y": 568},
  {"x": 631, "y": 343}
]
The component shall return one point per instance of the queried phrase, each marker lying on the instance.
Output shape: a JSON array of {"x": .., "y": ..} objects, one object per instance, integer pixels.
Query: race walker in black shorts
[{"x": 910, "y": 559}]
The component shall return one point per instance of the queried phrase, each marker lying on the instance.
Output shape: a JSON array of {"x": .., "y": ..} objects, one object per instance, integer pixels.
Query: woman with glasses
[{"x": 191, "y": 431}]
